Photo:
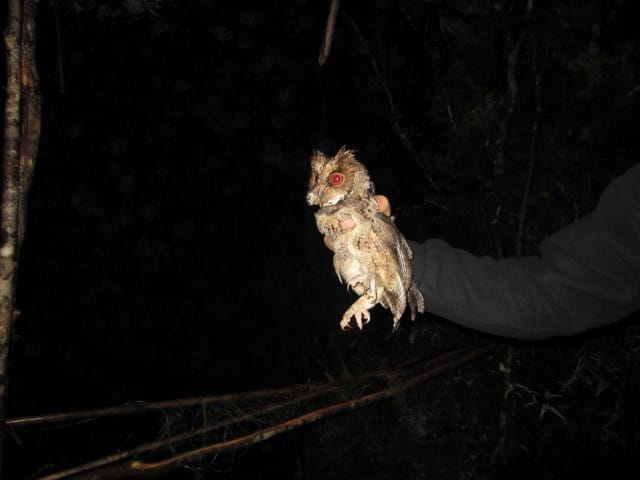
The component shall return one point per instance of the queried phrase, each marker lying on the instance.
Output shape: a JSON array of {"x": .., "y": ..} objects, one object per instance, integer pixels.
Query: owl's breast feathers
[{"x": 373, "y": 244}]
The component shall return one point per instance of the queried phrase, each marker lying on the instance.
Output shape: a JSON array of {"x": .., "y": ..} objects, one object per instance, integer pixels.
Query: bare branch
[
  {"x": 512, "y": 95},
  {"x": 130, "y": 409},
  {"x": 402, "y": 135},
  {"x": 108, "y": 467},
  {"x": 329, "y": 31},
  {"x": 59, "y": 45},
  {"x": 433, "y": 368},
  {"x": 506, "y": 423},
  {"x": 175, "y": 439},
  {"x": 533, "y": 142}
]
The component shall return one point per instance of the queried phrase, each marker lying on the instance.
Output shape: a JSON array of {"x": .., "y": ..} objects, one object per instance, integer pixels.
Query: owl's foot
[{"x": 361, "y": 317}]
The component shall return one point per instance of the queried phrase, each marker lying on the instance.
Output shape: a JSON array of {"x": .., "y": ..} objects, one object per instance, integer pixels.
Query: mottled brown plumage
[{"x": 372, "y": 258}]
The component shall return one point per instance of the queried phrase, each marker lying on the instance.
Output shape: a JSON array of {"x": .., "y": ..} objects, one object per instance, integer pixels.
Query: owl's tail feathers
[
  {"x": 416, "y": 301},
  {"x": 395, "y": 300}
]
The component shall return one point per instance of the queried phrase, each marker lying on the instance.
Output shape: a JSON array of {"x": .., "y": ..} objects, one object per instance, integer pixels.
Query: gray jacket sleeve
[{"x": 586, "y": 275}]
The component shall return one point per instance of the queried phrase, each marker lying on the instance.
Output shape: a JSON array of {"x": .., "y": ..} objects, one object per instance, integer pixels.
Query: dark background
[{"x": 170, "y": 252}]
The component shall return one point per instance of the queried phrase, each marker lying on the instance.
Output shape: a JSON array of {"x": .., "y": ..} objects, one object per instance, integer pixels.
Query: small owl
[{"x": 371, "y": 256}]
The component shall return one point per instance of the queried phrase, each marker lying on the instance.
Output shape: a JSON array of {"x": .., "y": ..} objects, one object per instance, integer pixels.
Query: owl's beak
[{"x": 312, "y": 199}]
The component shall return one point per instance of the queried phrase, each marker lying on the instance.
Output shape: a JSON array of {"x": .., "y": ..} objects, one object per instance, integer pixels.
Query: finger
[
  {"x": 327, "y": 243},
  {"x": 347, "y": 223},
  {"x": 383, "y": 204}
]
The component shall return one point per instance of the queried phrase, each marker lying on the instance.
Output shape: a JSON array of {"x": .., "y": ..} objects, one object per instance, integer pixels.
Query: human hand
[{"x": 383, "y": 207}]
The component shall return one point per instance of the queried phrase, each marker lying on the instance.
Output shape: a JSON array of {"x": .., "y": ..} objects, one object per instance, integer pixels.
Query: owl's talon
[
  {"x": 363, "y": 318},
  {"x": 345, "y": 323},
  {"x": 360, "y": 317}
]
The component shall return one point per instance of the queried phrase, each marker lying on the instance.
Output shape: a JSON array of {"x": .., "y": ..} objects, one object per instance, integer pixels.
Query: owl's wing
[
  {"x": 397, "y": 244},
  {"x": 404, "y": 259}
]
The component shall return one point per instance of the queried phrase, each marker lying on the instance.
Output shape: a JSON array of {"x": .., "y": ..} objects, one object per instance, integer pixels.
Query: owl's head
[{"x": 337, "y": 178}]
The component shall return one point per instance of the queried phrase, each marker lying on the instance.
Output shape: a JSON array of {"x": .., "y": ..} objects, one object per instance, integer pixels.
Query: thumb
[{"x": 383, "y": 204}]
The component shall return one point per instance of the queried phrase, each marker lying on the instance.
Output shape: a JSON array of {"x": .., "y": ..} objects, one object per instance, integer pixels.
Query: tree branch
[
  {"x": 512, "y": 95},
  {"x": 182, "y": 437},
  {"x": 533, "y": 142},
  {"x": 106, "y": 468},
  {"x": 434, "y": 368},
  {"x": 142, "y": 407},
  {"x": 395, "y": 120},
  {"x": 329, "y": 31}
]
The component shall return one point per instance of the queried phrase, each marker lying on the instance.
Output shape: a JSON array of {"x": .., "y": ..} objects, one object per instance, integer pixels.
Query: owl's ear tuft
[
  {"x": 317, "y": 157},
  {"x": 345, "y": 154}
]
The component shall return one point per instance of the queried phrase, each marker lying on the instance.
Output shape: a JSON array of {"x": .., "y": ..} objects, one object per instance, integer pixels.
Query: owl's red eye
[{"x": 336, "y": 179}]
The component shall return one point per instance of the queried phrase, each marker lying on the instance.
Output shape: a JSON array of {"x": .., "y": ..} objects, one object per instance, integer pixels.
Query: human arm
[{"x": 587, "y": 275}]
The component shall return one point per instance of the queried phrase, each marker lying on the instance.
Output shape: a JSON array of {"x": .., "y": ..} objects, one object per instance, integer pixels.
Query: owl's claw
[{"x": 361, "y": 318}]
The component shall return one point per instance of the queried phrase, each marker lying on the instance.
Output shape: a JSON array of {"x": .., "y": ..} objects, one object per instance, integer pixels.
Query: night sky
[{"x": 169, "y": 250}]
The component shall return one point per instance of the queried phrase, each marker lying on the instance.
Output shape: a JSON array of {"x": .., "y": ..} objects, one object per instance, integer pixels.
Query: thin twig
[
  {"x": 501, "y": 141},
  {"x": 130, "y": 409},
  {"x": 329, "y": 31},
  {"x": 423, "y": 35},
  {"x": 435, "y": 368},
  {"x": 105, "y": 468},
  {"x": 505, "y": 443},
  {"x": 393, "y": 113},
  {"x": 165, "y": 442},
  {"x": 505, "y": 124},
  {"x": 533, "y": 143},
  {"x": 142, "y": 407},
  {"x": 59, "y": 44}
]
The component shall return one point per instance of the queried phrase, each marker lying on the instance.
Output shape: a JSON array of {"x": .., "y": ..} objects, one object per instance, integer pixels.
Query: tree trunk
[{"x": 20, "y": 148}]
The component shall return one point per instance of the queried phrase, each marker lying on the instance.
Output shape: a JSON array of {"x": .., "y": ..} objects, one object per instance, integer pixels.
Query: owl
[{"x": 370, "y": 255}]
